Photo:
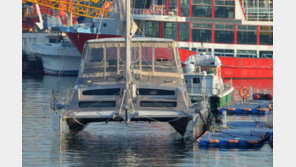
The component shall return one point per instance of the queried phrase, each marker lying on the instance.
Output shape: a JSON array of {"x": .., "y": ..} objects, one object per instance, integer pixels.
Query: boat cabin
[{"x": 202, "y": 75}]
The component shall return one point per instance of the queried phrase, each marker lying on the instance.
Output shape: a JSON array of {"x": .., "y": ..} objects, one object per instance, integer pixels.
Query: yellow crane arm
[{"x": 74, "y": 8}]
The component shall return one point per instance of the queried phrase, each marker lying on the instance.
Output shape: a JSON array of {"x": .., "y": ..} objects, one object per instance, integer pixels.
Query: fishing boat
[
  {"x": 239, "y": 32},
  {"x": 58, "y": 54},
  {"x": 202, "y": 73}
]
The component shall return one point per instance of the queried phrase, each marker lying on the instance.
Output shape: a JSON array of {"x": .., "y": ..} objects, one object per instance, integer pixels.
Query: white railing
[
  {"x": 157, "y": 12},
  {"x": 258, "y": 10}
]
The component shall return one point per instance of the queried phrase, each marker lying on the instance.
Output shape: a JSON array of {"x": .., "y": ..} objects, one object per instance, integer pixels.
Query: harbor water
[{"x": 117, "y": 144}]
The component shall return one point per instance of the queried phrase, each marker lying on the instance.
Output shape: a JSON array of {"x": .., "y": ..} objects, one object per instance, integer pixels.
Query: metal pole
[
  {"x": 127, "y": 63},
  {"x": 127, "y": 43}
]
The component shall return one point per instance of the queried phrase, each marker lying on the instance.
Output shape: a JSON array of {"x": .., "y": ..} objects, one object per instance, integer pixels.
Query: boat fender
[{"x": 256, "y": 97}]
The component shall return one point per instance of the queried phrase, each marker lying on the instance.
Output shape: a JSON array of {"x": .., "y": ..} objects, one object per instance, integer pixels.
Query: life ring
[
  {"x": 161, "y": 9},
  {"x": 244, "y": 92},
  {"x": 154, "y": 8}
]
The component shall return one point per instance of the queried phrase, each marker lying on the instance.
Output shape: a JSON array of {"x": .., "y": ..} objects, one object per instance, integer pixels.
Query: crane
[{"x": 75, "y": 8}]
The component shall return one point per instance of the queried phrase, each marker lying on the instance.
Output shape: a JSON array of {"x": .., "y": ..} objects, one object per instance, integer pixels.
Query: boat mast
[
  {"x": 128, "y": 63},
  {"x": 127, "y": 42}
]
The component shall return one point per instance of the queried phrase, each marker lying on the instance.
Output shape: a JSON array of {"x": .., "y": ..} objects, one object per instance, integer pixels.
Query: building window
[
  {"x": 173, "y": 4},
  {"x": 202, "y": 8},
  {"x": 224, "y": 52},
  {"x": 246, "y": 53},
  {"x": 184, "y": 31},
  {"x": 224, "y": 33},
  {"x": 140, "y": 4},
  {"x": 201, "y": 32},
  {"x": 151, "y": 29},
  {"x": 246, "y": 34},
  {"x": 170, "y": 30},
  {"x": 224, "y": 8},
  {"x": 266, "y": 54},
  {"x": 184, "y": 7},
  {"x": 266, "y": 36}
]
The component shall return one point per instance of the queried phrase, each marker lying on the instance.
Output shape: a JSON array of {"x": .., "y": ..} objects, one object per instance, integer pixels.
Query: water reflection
[
  {"x": 139, "y": 144},
  {"x": 116, "y": 144}
]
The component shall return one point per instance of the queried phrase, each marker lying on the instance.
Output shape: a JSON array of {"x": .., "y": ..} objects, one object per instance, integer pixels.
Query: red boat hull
[
  {"x": 232, "y": 67},
  {"x": 246, "y": 67},
  {"x": 79, "y": 39}
]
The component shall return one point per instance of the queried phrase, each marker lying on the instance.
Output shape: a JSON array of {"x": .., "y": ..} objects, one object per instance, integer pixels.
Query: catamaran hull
[{"x": 73, "y": 124}]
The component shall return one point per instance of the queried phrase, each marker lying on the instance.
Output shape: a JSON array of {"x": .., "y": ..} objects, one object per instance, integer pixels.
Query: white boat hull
[
  {"x": 55, "y": 64},
  {"x": 59, "y": 58}
]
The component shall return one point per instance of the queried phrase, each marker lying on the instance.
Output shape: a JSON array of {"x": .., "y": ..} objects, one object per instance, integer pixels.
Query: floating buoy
[
  {"x": 233, "y": 141},
  {"x": 213, "y": 141},
  {"x": 252, "y": 141},
  {"x": 230, "y": 109},
  {"x": 247, "y": 109},
  {"x": 263, "y": 109}
]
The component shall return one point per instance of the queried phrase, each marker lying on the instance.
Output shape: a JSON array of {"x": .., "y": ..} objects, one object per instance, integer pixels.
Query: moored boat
[
  {"x": 148, "y": 88},
  {"x": 58, "y": 54},
  {"x": 203, "y": 79}
]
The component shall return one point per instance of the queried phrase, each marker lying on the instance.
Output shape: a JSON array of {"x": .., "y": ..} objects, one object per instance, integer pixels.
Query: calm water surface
[{"x": 116, "y": 144}]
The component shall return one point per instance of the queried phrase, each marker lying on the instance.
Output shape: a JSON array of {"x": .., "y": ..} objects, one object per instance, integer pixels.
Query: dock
[
  {"x": 238, "y": 134},
  {"x": 248, "y": 107}
]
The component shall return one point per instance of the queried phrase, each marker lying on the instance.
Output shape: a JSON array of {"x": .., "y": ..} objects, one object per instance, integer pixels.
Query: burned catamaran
[{"x": 153, "y": 90}]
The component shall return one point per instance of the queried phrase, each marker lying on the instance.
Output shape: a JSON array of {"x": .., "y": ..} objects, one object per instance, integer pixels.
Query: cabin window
[
  {"x": 196, "y": 80},
  {"x": 202, "y": 8},
  {"x": 104, "y": 92},
  {"x": 151, "y": 28},
  {"x": 165, "y": 60},
  {"x": 184, "y": 7},
  {"x": 224, "y": 8},
  {"x": 90, "y": 104},
  {"x": 145, "y": 91},
  {"x": 246, "y": 34},
  {"x": 111, "y": 59},
  {"x": 54, "y": 40},
  {"x": 158, "y": 104},
  {"x": 201, "y": 32},
  {"x": 224, "y": 52},
  {"x": 170, "y": 30},
  {"x": 266, "y": 54},
  {"x": 184, "y": 31},
  {"x": 266, "y": 35},
  {"x": 224, "y": 33},
  {"x": 95, "y": 55}
]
